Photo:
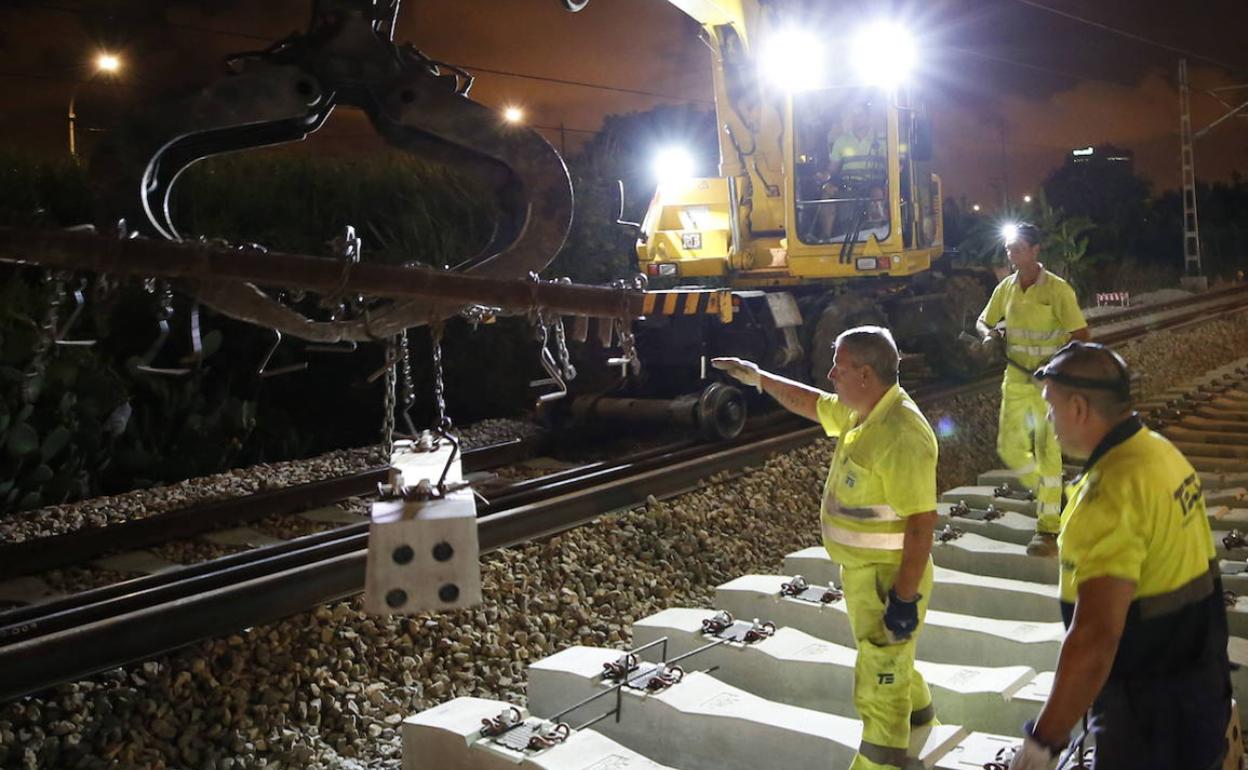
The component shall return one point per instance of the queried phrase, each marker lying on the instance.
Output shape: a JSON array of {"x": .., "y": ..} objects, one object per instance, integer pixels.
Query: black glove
[{"x": 900, "y": 617}]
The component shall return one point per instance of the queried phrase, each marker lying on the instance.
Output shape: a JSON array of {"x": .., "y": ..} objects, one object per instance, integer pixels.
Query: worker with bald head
[{"x": 1141, "y": 593}]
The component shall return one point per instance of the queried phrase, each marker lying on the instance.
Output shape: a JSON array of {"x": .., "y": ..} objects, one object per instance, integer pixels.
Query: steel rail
[
  {"x": 139, "y": 626},
  {"x": 81, "y": 545},
  {"x": 54, "y": 614},
  {"x": 211, "y": 263}
]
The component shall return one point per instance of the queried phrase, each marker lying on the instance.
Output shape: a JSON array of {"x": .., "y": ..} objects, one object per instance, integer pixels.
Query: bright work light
[
  {"x": 673, "y": 164},
  {"x": 793, "y": 59},
  {"x": 1009, "y": 232},
  {"x": 884, "y": 54},
  {"x": 108, "y": 63}
]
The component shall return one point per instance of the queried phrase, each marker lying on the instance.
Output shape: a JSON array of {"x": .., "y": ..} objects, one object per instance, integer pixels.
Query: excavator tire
[{"x": 844, "y": 312}]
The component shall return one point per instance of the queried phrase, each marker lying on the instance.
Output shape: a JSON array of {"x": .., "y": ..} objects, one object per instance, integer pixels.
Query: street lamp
[
  {"x": 108, "y": 63},
  {"x": 975, "y": 208},
  {"x": 105, "y": 64},
  {"x": 1026, "y": 199}
]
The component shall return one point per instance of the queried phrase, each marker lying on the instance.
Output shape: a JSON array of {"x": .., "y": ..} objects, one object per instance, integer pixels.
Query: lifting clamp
[{"x": 287, "y": 91}]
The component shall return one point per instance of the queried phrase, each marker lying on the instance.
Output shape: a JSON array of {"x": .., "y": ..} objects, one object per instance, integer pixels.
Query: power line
[
  {"x": 1036, "y": 67},
  {"x": 584, "y": 84},
  {"x": 504, "y": 73},
  {"x": 1129, "y": 35},
  {"x": 708, "y": 102}
]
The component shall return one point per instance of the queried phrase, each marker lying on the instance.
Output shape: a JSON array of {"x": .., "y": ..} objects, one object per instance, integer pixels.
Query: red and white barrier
[{"x": 1122, "y": 298}]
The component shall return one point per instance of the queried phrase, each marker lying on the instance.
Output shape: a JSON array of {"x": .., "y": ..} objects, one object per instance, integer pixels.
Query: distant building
[{"x": 1103, "y": 156}]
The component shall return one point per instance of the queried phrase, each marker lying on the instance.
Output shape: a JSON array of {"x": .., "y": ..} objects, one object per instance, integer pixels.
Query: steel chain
[
  {"x": 443, "y": 422},
  {"x": 561, "y": 349},
  {"x": 387, "y": 417},
  {"x": 475, "y": 315},
  {"x": 628, "y": 345},
  {"x": 409, "y": 382}
]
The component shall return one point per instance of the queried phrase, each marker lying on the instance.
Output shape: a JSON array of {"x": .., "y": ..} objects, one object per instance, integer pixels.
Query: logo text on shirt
[{"x": 1188, "y": 494}]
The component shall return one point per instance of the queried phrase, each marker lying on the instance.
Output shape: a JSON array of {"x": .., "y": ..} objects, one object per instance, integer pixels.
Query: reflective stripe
[
  {"x": 1035, "y": 350},
  {"x": 881, "y": 541},
  {"x": 1049, "y": 508},
  {"x": 923, "y": 715},
  {"x": 1028, "y": 334},
  {"x": 1028, "y": 468},
  {"x": 1189, "y": 593},
  {"x": 863, "y": 512},
  {"x": 883, "y": 755},
  {"x": 1051, "y": 481}
]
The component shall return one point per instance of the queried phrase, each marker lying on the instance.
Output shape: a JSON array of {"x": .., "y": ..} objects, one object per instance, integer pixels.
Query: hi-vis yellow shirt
[
  {"x": 1038, "y": 319},
  {"x": 1137, "y": 513},
  {"x": 884, "y": 470}
]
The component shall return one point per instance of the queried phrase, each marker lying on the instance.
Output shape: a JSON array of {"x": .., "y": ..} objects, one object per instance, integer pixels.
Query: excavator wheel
[{"x": 843, "y": 312}]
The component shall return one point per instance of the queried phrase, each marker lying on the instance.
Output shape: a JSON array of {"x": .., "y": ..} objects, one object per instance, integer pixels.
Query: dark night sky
[{"x": 1125, "y": 91}]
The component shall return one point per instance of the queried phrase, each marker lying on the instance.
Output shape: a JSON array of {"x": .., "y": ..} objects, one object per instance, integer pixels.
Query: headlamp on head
[
  {"x": 1025, "y": 232},
  {"x": 1119, "y": 385}
]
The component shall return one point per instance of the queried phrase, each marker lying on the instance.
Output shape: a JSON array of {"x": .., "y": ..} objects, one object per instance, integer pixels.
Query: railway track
[
  {"x": 67, "y": 638},
  {"x": 768, "y": 670}
]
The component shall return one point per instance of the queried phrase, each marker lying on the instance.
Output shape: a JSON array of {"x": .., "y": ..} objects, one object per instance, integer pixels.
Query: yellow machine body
[{"x": 780, "y": 212}]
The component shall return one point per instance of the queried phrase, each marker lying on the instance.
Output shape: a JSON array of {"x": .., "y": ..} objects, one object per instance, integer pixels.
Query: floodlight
[
  {"x": 884, "y": 53},
  {"x": 673, "y": 164},
  {"x": 793, "y": 59}
]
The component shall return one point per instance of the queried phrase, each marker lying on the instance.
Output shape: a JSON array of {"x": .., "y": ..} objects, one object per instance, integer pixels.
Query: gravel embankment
[
  {"x": 114, "y": 509},
  {"x": 328, "y": 688}
]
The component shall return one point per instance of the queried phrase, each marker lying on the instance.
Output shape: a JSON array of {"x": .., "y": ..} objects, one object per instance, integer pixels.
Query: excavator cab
[
  {"x": 851, "y": 195},
  {"x": 840, "y": 168},
  {"x": 864, "y": 199}
]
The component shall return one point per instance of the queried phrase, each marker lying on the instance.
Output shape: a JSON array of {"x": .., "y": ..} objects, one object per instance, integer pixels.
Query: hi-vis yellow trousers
[
  {"x": 1028, "y": 446},
  {"x": 889, "y": 694}
]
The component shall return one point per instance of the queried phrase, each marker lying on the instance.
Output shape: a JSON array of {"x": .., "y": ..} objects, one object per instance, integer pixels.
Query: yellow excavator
[{"x": 825, "y": 213}]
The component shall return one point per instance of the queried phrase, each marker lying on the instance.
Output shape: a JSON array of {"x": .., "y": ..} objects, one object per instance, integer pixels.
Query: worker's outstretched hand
[
  {"x": 901, "y": 617},
  {"x": 744, "y": 372}
]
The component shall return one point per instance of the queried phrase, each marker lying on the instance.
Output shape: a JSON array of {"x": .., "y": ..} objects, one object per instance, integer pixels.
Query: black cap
[{"x": 1120, "y": 385}]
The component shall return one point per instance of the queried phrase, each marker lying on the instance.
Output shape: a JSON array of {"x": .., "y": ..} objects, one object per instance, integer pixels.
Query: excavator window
[{"x": 841, "y": 166}]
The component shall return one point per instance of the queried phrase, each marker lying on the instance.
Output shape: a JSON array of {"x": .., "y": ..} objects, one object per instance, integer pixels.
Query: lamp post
[{"x": 104, "y": 64}]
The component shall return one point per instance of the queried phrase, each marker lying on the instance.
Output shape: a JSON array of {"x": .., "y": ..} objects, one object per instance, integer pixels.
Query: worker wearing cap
[
  {"x": 1141, "y": 593},
  {"x": 877, "y": 516},
  {"x": 1041, "y": 314}
]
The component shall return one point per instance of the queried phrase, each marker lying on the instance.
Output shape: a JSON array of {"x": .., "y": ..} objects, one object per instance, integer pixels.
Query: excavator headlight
[
  {"x": 884, "y": 54},
  {"x": 793, "y": 59},
  {"x": 673, "y": 164}
]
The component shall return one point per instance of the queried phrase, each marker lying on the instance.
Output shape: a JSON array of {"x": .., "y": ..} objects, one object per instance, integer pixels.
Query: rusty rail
[{"x": 214, "y": 264}]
